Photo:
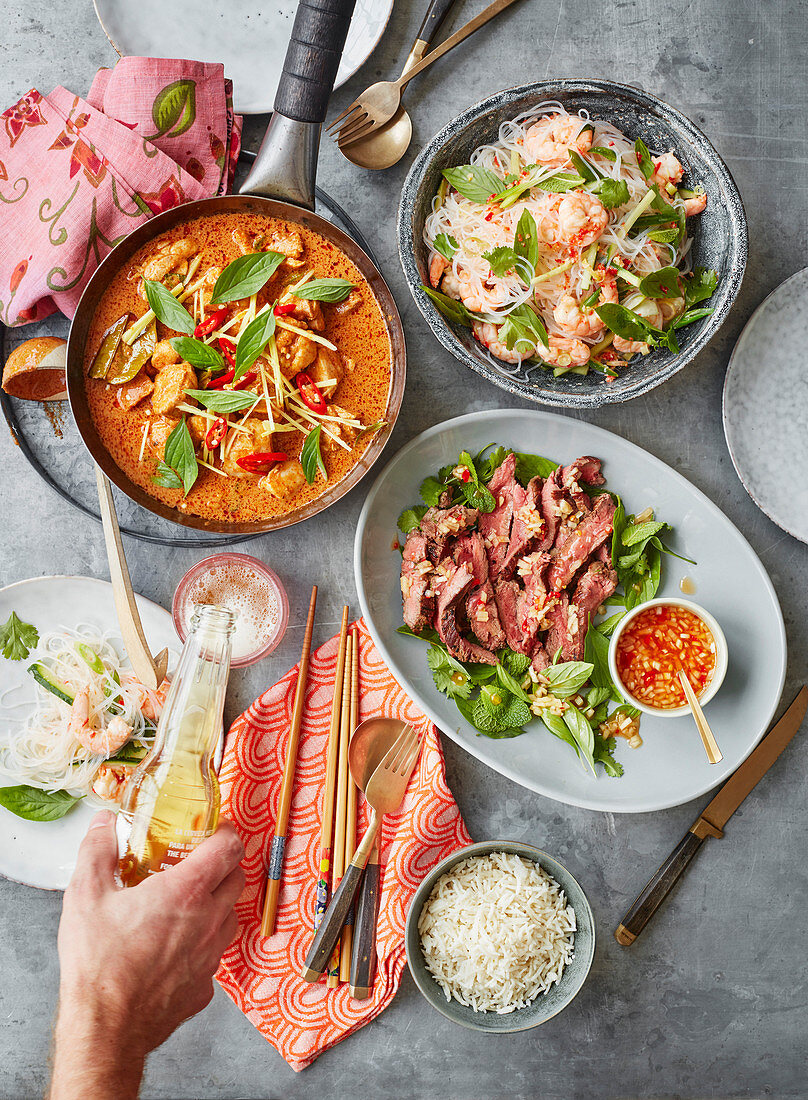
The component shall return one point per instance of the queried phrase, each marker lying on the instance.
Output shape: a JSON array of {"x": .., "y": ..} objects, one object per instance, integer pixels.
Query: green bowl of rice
[{"x": 500, "y": 937}]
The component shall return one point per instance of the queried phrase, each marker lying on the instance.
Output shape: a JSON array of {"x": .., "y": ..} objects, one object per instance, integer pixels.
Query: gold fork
[
  {"x": 384, "y": 793},
  {"x": 380, "y": 102}
]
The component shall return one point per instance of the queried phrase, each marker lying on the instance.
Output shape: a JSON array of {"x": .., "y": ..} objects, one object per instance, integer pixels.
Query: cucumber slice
[
  {"x": 45, "y": 678},
  {"x": 130, "y": 753}
]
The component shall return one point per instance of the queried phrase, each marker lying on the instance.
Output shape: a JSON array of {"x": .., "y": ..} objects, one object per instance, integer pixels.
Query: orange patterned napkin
[{"x": 262, "y": 975}]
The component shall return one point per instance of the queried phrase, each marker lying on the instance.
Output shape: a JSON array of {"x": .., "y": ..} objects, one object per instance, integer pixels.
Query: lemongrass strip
[
  {"x": 263, "y": 376},
  {"x": 276, "y": 369},
  {"x": 551, "y": 274},
  {"x": 307, "y": 333},
  {"x": 181, "y": 291},
  {"x": 316, "y": 423},
  {"x": 636, "y": 213},
  {"x": 290, "y": 290},
  {"x": 208, "y": 415},
  {"x": 215, "y": 469},
  {"x": 327, "y": 382},
  {"x": 143, "y": 442}
]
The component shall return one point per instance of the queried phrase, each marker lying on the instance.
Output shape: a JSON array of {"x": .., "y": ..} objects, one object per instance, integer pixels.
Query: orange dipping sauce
[{"x": 655, "y": 646}]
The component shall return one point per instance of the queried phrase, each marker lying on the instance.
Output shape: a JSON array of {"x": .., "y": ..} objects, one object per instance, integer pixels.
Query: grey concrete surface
[{"x": 712, "y": 1001}]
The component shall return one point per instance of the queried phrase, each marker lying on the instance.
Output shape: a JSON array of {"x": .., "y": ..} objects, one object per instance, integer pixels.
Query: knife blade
[{"x": 711, "y": 820}]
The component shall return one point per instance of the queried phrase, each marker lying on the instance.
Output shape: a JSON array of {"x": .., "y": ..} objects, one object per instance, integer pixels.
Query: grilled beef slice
[
  {"x": 495, "y": 527},
  {"x": 507, "y": 595},
  {"x": 532, "y": 598},
  {"x": 528, "y": 526},
  {"x": 558, "y": 636},
  {"x": 441, "y": 524},
  {"x": 459, "y": 580},
  {"x": 483, "y": 617},
  {"x": 595, "y": 586},
  {"x": 469, "y": 549},
  {"x": 579, "y": 543},
  {"x": 419, "y": 607},
  {"x": 552, "y": 497}
]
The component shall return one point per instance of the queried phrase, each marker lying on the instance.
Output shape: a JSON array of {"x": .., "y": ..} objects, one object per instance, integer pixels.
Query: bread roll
[{"x": 35, "y": 370}]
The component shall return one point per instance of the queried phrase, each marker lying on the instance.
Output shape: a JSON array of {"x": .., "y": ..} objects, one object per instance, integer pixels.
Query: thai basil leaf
[
  {"x": 560, "y": 182},
  {"x": 179, "y": 454},
  {"x": 167, "y": 309},
  {"x": 245, "y": 276},
  {"x": 567, "y": 678},
  {"x": 523, "y": 330},
  {"x": 511, "y": 684},
  {"x": 324, "y": 290},
  {"x": 197, "y": 353},
  {"x": 311, "y": 458},
  {"x": 167, "y": 477},
  {"x": 582, "y": 168},
  {"x": 35, "y": 805},
  {"x": 475, "y": 183},
  {"x": 641, "y": 532},
  {"x": 451, "y": 309},
  {"x": 253, "y": 340},
  {"x": 223, "y": 401},
  {"x": 526, "y": 239},
  {"x": 583, "y": 733},
  {"x": 609, "y": 154},
  {"x": 446, "y": 245},
  {"x": 624, "y": 322},
  {"x": 663, "y": 283},
  {"x": 558, "y": 727},
  {"x": 664, "y": 236}
]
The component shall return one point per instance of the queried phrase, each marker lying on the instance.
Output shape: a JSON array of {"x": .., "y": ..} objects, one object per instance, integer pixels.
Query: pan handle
[{"x": 286, "y": 165}]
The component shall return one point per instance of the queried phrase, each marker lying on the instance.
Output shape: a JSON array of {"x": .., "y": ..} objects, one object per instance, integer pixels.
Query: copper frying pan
[{"x": 281, "y": 185}]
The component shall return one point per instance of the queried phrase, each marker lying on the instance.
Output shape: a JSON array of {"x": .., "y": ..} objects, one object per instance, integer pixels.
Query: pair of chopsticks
[{"x": 339, "y": 804}]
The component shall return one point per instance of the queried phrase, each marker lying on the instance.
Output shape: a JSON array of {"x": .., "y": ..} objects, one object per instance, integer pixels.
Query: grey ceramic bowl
[
  {"x": 545, "y": 1005},
  {"x": 720, "y": 235}
]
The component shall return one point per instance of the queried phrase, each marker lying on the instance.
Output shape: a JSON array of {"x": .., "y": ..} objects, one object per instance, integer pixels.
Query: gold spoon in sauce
[{"x": 708, "y": 740}]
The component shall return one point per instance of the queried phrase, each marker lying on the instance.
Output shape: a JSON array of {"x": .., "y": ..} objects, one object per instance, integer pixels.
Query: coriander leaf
[
  {"x": 475, "y": 183},
  {"x": 311, "y": 458},
  {"x": 603, "y": 753},
  {"x": 597, "y": 695},
  {"x": 179, "y": 454},
  {"x": 529, "y": 466},
  {"x": 245, "y": 276},
  {"x": 167, "y": 309},
  {"x": 36, "y": 805},
  {"x": 17, "y": 638},
  {"x": 446, "y": 245},
  {"x": 449, "y": 675},
  {"x": 411, "y": 518},
  {"x": 644, "y": 158},
  {"x": 490, "y": 463},
  {"x": 641, "y": 532},
  {"x": 613, "y": 193},
  {"x": 663, "y": 283},
  {"x": 431, "y": 491},
  {"x": 253, "y": 340},
  {"x": 451, "y": 309},
  {"x": 167, "y": 477},
  {"x": 700, "y": 285},
  {"x": 223, "y": 401},
  {"x": 509, "y": 683},
  {"x": 567, "y": 678},
  {"x": 324, "y": 290},
  {"x": 501, "y": 259},
  {"x": 197, "y": 353},
  {"x": 516, "y": 663},
  {"x": 691, "y": 315},
  {"x": 526, "y": 239}
]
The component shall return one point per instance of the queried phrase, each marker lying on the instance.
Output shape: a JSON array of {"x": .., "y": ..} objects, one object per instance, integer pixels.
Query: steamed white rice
[{"x": 496, "y": 932}]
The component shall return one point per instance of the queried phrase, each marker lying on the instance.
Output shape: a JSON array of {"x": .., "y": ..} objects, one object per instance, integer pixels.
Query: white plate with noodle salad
[
  {"x": 74, "y": 721},
  {"x": 579, "y": 244}
]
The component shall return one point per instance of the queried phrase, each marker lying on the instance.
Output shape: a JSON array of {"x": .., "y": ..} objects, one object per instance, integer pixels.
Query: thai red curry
[{"x": 237, "y": 367}]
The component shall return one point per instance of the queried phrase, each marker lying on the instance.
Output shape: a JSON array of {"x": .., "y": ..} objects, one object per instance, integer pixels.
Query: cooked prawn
[
  {"x": 548, "y": 141},
  {"x": 100, "y": 742},
  {"x": 566, "y": 351},
  {"x": 481, "y": 299},
  {"x": 574, "y": 319},
  {"x": 582, "y": 218},
  {"x": 667, "y": 169},
  {"x": 695, "y": 205},
  {"x": 110, "y": 781},
  {"x": 437, "y": 266},
  {"x": 630, "y": 347},
  {"x": 487, "y": 335}
]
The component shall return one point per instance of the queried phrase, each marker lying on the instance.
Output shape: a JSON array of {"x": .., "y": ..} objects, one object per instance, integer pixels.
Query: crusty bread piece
[{"x": 35, "y": 370}]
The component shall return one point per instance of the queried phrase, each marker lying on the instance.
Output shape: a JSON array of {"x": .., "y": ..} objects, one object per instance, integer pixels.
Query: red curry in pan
[{"x": 256, "y": 380}]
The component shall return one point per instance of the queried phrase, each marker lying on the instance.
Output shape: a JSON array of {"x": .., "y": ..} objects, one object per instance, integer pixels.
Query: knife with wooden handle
[{"x": 712, "y": 820}]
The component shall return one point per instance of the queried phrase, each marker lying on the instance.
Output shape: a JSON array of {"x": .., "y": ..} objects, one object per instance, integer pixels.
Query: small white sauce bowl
[{"x": 721, "y": 656}]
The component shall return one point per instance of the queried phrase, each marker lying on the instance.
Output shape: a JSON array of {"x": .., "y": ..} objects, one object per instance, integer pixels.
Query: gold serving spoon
[
  {"x": 714, "y": 754},
  {"x": 375, "y": 127}
]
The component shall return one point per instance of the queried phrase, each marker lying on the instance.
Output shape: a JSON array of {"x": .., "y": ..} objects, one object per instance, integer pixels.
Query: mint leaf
[{"x": 641, "y": 532}]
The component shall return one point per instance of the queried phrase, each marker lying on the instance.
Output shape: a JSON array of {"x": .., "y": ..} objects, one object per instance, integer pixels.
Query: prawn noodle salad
[
  {"x": 91, "y": 724},
  {"x": 565, "y": 246},
  {"x": 510, "y": 567}
]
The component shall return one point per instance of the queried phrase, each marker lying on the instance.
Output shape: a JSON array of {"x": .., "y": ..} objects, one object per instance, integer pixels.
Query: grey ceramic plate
[
  {"x": 765, "y": 405},
  {"x": 720, "y": 236},
  {"x": 671, "y": 767},
  {"x": 545, "y": 1005}
]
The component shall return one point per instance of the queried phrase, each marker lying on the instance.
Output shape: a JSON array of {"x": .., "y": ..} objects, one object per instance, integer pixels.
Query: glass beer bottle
[{"x": 172, "y": 801}]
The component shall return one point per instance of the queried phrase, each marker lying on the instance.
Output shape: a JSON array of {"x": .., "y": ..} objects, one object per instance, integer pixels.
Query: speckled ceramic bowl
[
  {"x": 546, "y": 1005},
  {"x": 720, "y": 235}
]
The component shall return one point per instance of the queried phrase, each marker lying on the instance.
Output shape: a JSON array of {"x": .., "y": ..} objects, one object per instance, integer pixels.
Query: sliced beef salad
[{"x": 508, "y": 568}]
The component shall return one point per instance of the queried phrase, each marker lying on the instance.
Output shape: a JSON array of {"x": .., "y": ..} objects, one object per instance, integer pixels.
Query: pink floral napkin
[{"x": 76, "y": 176}]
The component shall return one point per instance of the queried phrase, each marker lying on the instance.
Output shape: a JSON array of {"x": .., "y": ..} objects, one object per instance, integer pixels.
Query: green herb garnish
[{"x": 17, "y": 638}]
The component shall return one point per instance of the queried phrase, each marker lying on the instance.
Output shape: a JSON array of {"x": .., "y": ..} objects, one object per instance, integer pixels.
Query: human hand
[{"x": 137, "y": 962}]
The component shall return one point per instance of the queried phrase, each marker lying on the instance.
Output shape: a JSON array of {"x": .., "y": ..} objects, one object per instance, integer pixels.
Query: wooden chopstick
[
  {"x": 327, "y": 823},
  {"x": 350, "y": 814},
  {"x": 287, "y": 786},
  {"x": 332, "y": 973}
]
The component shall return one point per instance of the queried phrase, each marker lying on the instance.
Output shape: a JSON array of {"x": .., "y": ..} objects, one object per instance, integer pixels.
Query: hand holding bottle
[{"x": 136, "y": 963}]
